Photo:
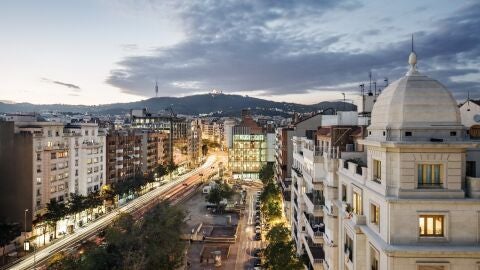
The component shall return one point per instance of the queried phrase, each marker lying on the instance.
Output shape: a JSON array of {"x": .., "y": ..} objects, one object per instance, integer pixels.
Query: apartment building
[
  {"x": 194, "y": 143},
  {"x": 412, "y": 206},
  {"x": 44, "y": 161},
  {"x": 212, "y": 130},
  {"x": 87, "y": 157},
  {"x": 154, "y": 149},
  {"x": 123, "y": 155},
  {"x": 315, "y": 159},
  {"x": 397, "y": 199}
]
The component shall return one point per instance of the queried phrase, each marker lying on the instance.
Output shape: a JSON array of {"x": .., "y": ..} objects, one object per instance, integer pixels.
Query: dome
[{"x": 415, "y": 101}]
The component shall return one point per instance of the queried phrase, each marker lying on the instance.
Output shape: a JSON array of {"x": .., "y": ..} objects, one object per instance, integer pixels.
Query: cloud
[
  {"x": 280, "y": 47},
  {"x": 68, "y": 85}
]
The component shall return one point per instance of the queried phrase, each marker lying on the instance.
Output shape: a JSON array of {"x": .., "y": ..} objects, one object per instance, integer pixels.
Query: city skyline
[{"x": 296, "y": 52}]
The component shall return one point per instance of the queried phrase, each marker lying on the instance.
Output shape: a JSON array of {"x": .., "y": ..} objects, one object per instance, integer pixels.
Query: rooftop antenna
[
  {"x": 156, "y": 88},
  {"x": 370, "y": 85},
  {"x": 374, "y": 87},
  {"x": 468, "y": 101}
]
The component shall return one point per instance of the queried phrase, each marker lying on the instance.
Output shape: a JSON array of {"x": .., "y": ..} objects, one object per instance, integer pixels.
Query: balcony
[
  {"x": 314, "y": 251},
  {"x": 315, "y": 227},
  {"x": 314, "y": 203},
  {"x": 328, "y": 239}
]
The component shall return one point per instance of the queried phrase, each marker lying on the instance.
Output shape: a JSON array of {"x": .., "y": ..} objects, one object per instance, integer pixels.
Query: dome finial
[{"x": 412, "y": 60}]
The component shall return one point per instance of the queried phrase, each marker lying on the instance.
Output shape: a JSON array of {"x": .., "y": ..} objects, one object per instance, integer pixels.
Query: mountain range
[{"x": 212, "y": 104}]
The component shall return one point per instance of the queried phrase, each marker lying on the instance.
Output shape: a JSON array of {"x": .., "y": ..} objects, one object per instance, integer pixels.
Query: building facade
[
  {"x": 405, "y": 202},
  {"x": 123, "y": 155},
  {"x": 87, "y": 157}
]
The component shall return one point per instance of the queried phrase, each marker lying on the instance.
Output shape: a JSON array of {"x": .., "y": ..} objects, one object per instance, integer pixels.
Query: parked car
[
  {"x": 257, "y": 262},
  {"x": 257, "y": 252},
  {"x": 258, "y": 236}
]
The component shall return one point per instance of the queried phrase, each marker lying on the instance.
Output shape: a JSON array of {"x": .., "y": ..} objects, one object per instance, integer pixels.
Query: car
[
  {"x": 257, "y": 223},
  {"x": 258, "y": 236},
  {"x": 259, "y": 192},
  {"x": 257, "y": 207},
  {"x": 257, "y": 230},
  {"x": 257, "y": 253},
  {"x": 257, "y": 262}
]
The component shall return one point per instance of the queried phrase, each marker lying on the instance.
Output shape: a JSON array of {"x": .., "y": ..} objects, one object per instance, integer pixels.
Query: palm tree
[{"x": 55, "y": 212}]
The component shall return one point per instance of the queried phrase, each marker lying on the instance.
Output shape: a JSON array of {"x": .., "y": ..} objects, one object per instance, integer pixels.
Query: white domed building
[{"x": 412, "y": 207}]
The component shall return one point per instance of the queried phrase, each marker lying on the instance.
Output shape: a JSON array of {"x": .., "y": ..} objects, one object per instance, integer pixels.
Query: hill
[{"x": 220, "y": 105}]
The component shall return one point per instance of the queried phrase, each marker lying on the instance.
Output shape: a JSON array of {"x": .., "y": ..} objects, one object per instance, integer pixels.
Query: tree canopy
[
  {"x": 219, "y": 192},
  {"x": 280, "y": 252},
  {"x": 150, "y": 243}
]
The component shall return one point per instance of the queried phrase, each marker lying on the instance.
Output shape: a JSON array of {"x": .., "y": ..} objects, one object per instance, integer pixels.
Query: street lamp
[{"x": 25, "y": 225}]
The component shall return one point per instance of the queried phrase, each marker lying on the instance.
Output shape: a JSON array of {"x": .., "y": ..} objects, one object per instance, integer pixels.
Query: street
[
  {"x": 134, "y": 205},
  {"x": 247, "y": 243}
]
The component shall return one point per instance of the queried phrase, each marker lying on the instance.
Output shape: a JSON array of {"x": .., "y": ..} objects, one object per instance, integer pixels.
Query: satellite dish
[{"x": 476, "y": 117}]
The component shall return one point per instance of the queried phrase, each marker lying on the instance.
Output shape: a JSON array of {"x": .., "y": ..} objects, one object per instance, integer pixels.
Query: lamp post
[{"x": 25, "y": 225}]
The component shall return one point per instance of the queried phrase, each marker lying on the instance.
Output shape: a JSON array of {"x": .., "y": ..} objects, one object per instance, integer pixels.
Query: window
[
  {"x": 39, "y": 157},
  {"x": 86, "y": 132},
  {"x": 375, "y": 214},
  {"x": 453, "y": 133},
  {"x": 357, "y": 203},
  {"x": 53, "y": 156},
  {"x": 348, "y": 247},
  {"x": 76, "y": 162},
  {"x": 408, "y": 133},
  {"x": 39, "y": 181},
  {"x": 431, "y": 225},
  {"x": 471, "y": 169},
  {"x": 374, "y": 258},
  {"x": 344, "y": 193},
  {"x": 49, "y": 133},
  {"x": 429, "y": 175},
  {"x": 377, "y": 170}
]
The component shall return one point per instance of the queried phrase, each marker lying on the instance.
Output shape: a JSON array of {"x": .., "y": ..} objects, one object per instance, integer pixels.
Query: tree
[
  {"x": 160, "y": 170},
  {"x": 55, "y": 212},
  {"x": 92, "y": 201},
  {"x": 204, "y": 150},
  {"x": 76, "y": 204},
  {"x": 8, "y": 233},
  {"x": 266, "y": 173},
  {"x": 280, "y": 252},
  {"x": 219, "y": 192}
]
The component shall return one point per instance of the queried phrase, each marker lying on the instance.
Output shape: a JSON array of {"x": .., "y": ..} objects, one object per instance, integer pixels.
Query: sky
[{"x": 107, "y": 51}]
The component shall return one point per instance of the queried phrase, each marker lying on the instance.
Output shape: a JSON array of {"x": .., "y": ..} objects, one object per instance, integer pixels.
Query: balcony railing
[
  {"x": 318, "y": 202},
  {"x": 297, "y": 171}
]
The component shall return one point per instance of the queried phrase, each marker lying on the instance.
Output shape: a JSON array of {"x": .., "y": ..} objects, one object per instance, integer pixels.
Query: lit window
[
  {"x": 357, "y": 203},
  {"x": 375, "y": 214},
  {"x": 39, "y": 180},
  {"x": 430, "y": 175},
  {"x": 431, "y": 225},
  {"x": 377, "y": 170}
]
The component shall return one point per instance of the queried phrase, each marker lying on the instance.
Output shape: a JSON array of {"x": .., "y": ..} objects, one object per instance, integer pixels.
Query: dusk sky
[{"x": 96, "y": 52}]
